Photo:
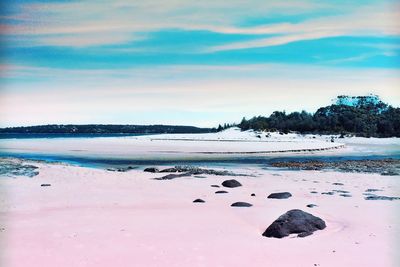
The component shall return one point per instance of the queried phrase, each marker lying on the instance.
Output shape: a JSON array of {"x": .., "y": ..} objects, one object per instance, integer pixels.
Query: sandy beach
[
  {"x": 200, "y": 133},
  {"x": 94, "y": 217}
]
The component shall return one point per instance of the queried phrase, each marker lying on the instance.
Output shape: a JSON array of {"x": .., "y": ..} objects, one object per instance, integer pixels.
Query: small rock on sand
[
  {"x": 281, "y": 195},
  {"x": 152, "y": 169},
  {"x": 375, "y": 197},
  {"x": 45, "y": 185},
  {"x": 241, "y": 204},
  {"x": 173, "y": 176},
  {"x": 214, "y": 185},
  {"x": 199, "y": 200},
  {"x": 231, "y": 183},
  {"x": 221, "y": 192},
  {"x": 311, "y": 205},
  {"x": 373, "y": 190},
  {"x": 341, "y": 191}
]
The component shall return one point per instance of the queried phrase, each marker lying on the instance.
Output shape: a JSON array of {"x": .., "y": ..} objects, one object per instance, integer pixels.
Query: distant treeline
[
  {"x": 364, "y": 116},
  {"x": 104, "y": 129}
]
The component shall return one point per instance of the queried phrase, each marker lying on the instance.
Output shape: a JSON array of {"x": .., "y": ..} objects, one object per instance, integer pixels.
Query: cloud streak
[
  {"x": 88, "y": 23},
  {"x": 365, "y": 22}
]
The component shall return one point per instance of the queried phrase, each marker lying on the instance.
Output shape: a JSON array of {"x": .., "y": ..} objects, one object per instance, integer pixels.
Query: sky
[{"x": 191, "y": 62}]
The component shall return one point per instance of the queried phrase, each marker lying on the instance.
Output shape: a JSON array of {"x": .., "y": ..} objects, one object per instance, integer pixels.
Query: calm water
[
  {"x": 61, "y": 135},
  {"x": 358, "y": 151}
]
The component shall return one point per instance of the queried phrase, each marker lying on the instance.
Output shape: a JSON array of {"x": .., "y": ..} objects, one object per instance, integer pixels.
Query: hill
[
  {"x": 364, "y": 116},
  {"x": 103, "y": 129}
]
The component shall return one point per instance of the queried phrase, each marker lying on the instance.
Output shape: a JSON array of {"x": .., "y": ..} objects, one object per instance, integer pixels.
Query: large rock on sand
[
  {"x": 282, "y": 195},
  {"x": 294, "y": 222},
  {"x": 231, "y": 183}
]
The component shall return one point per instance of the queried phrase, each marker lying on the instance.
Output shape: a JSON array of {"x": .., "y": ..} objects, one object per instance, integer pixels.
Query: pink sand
[{"x": 91, "y": 217}]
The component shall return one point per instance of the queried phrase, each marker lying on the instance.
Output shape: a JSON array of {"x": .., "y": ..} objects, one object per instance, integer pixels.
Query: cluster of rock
[
  {"x": 368, "y": 195},
  {"x": 383, "y": 166},
  {"x": 292, "y": 222},
  {"x": 183, "y": 171},
  {"x": 122, "y": 169},
  {"x": 17, "y": 168}
]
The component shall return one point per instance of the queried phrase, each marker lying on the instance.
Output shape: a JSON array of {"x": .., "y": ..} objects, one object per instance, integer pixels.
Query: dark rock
[
  {"x": 294, "y": 222},
  {"x": 282, "y": 195},
  {"x": 341, "y": 191},
  {"x": 221, "y": 192},
  {"x": 169, "y": 170},
  {"x": 345, "y": 195},
  {"x": 199, "y": 171},
  {"x": 199, "y": 176},
  {"x": 173, "y": 176},
  {"x": 241, "y": 204},
  {"x": 327, "y": 193},
  {"x": 253, "y": 195},
  {"x": 214, "y": 185},
  {"x": 311, "y": 205},
  {"x": 375, "y": 197},
  {"x": 123, "y": 169},
  {"x": 231, "y": 183},
  {"x": 152, "y": 169},
  {"x": 338, "y": 184},
  {"x": 126, "y": 169},
  {"x": 45, "y": 185},
  {"x": 199, "y": 200},
  {"x": 314, "y": 192},
  {"x": 389, "y": 173},
  {"x": 373, "y": 190}
]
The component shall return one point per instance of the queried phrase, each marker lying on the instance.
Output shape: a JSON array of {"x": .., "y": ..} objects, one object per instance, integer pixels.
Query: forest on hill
[
  {"x": 365, "y": 116},
  {"x": 103, "y": 129}
]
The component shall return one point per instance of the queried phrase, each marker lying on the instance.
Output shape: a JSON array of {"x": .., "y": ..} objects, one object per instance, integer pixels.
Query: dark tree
[{"x": 361, "y": 115}]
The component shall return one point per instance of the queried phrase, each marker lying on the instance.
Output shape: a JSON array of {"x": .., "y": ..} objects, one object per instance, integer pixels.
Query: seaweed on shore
[
  {"x": 382, "y": 166},
  {"x": 17, "y": 168}
]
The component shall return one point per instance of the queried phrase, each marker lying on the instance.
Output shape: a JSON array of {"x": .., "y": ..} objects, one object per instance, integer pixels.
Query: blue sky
[{"x": 191, "y": 62}]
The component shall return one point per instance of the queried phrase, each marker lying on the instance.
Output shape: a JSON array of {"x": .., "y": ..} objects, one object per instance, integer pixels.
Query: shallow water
[{"x": 110, "y": 158}]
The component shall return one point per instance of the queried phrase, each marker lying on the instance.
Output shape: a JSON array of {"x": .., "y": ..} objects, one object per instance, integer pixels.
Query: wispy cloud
[
  {"x": 364, "y": 22},
  {"x": 93, "y": 23}
]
